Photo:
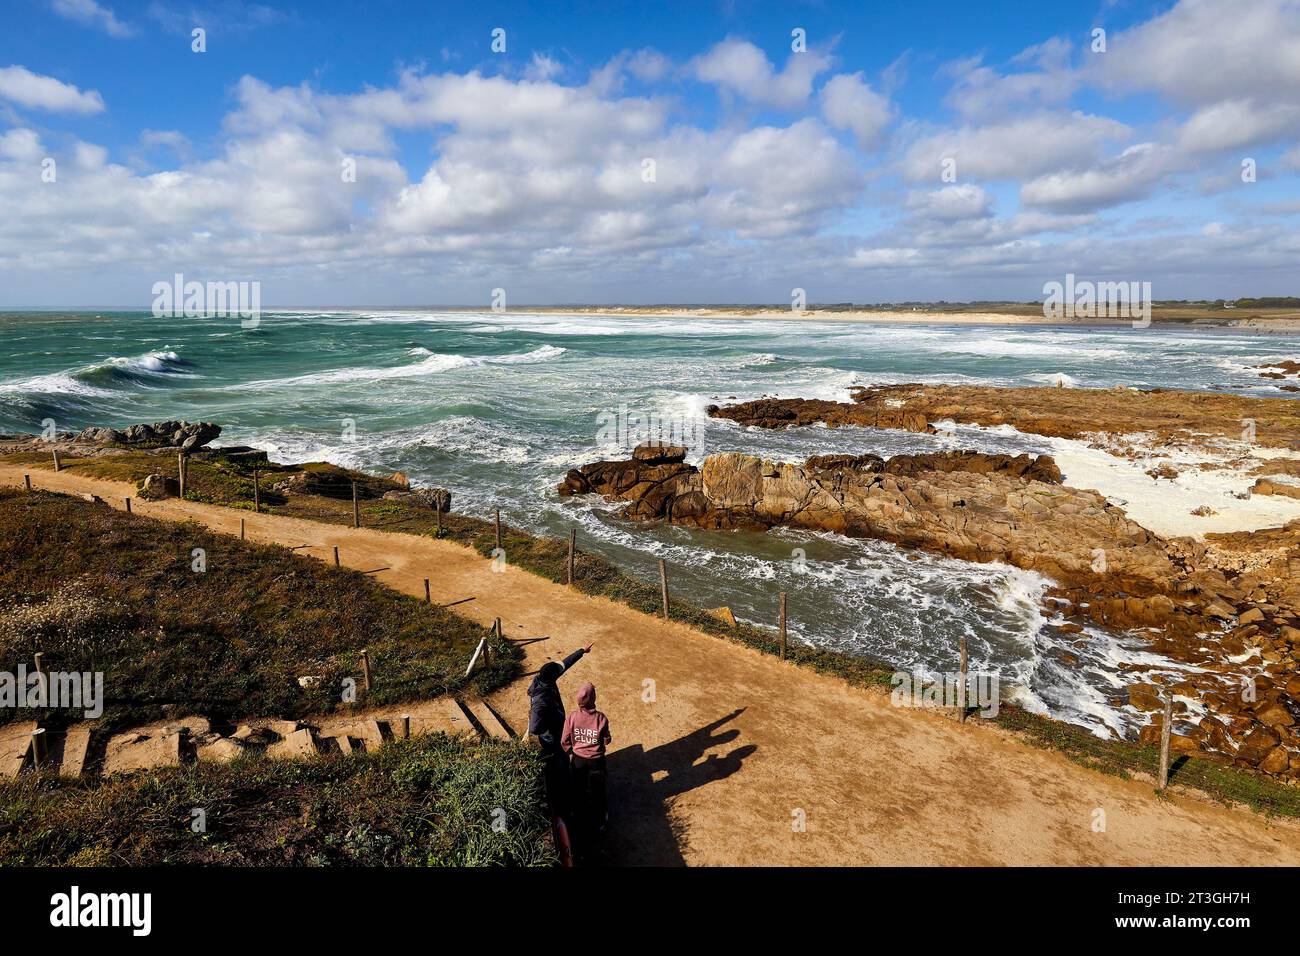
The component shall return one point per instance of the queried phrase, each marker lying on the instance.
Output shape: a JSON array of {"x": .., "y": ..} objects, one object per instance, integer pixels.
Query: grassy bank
[
  {"x": 427, "y": 801},
  {"x": 95, "y": 589}
]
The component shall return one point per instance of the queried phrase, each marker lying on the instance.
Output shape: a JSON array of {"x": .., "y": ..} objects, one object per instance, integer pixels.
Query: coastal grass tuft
[{"x": 427, "y": 801}]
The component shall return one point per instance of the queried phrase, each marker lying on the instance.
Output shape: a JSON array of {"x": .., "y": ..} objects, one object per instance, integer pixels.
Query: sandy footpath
[{"x": 735, "y": 744}]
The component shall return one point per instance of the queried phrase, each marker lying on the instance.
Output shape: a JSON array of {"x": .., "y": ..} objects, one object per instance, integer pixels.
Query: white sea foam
[{"x": 432, "y": 363}]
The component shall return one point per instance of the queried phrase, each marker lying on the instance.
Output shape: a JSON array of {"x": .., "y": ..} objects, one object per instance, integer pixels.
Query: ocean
[{"x": 498, "y": 406}]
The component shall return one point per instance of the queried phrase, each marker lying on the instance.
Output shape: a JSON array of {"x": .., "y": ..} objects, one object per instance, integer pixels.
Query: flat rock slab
[
  {"x": 221, "y": 750},
  {"x": 75, "y": 746},
  {"x": 136, "y": 751},
  {"x": 296, "y": 745},
  {"x": 15, "y": 743},
  {"x": 344, "y": 742},
  {"x": 368, "y": 732}
]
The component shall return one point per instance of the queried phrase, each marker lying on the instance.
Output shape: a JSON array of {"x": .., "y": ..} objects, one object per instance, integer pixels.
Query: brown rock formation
[
  {"x": 1055, "y": 412},
  {"x": 1199, "y": 602}
]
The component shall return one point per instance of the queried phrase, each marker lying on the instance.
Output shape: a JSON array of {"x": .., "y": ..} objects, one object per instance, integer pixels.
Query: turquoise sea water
[{"x": 497, "y": 407}]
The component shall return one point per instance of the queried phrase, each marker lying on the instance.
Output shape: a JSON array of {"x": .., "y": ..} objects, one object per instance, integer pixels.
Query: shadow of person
[{"x": 644, "y": 783}]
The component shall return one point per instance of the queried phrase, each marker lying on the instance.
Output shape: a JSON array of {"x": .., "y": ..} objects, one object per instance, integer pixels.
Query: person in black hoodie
[{"x": 546, "y": 724}]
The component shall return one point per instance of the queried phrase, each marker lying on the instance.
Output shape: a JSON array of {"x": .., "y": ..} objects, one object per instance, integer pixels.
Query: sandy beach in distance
[{"x": 1255, "y": 321}]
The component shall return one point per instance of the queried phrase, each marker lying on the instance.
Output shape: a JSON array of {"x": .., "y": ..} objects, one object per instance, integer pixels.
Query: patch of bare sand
[{"x": 735, "y": 742}]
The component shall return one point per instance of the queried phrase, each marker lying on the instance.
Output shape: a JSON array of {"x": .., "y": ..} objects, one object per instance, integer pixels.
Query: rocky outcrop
[
  {"x": 1264, "y": 486},
  {"x": 1287, "y": 368},
  {"x": 1055, "y": 412},
  {"x": 790, "y": 412},
  {"x": 1233, "y": 597},
  {"x": 965, "y": 504},
  {"x": 177, "y": 434}
]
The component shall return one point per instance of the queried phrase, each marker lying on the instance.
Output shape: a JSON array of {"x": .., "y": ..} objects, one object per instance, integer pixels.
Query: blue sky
[{"x": 821, "y": 169}]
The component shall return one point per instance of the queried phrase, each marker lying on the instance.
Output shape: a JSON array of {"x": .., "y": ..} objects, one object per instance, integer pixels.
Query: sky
[{"x": 393, "y": 153}]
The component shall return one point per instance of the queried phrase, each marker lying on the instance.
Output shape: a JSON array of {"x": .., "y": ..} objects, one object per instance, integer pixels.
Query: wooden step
[
  {"x": 461, "y": 723},
  {"x": 15, "y": 745},
  {"x": 75, "y": 745},
  {"x": 488, "y": 720}
]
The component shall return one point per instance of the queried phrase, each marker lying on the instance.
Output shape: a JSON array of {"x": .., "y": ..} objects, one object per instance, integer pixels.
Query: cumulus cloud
[
  {"x": 849, "y": 102},
  {"x": 1129, "y": 176},
  {"x": 1046, "y": 80},
  {"x": 1015, "y": 148},
  {"x": 91, "y": 14},
  {"x": 608, "y": 178},
  {"x": 1205, "y": 51},
  {"x": 744, "y": 70},
  {"x": 966, "y": 201},
  {"x": 21, "y": 86}
]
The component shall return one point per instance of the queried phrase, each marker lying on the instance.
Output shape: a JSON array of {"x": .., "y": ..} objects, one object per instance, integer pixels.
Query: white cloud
[
  {"x": 542, "y": 68},
  {"x": 966, "y": 201},
  {"x": 1131, "y": 175},
  {"x": 743, "y": 69},
  {"x": 1207, "y": 51},
  {"x": 20, "y": 85},
  {"x": 982, "y": 91},
  {"x": 91, "y": 14},
  {"x": 849, "y": 102},
  {"x": 1233, "y": 124},
  {"x": 1013, "y": 149}
]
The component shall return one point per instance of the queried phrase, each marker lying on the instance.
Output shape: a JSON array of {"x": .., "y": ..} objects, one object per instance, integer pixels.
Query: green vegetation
[
  {"x": 96, "y": 589},
  {"x": 427, "y": 801}
]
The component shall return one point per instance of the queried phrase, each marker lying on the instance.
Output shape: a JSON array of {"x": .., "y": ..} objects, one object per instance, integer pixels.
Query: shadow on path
[{"x": 643, "y": 784}]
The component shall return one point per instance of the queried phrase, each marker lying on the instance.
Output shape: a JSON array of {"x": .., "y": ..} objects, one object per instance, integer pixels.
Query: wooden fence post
[
  {"x": 180, "y": 473},
  {"x": 365, "y": 669},
  {"x": 498, "y": 526},
  {"x": 39, "y": 658},
  {"x": 406, "y": 726},
  {"x": 437, "y": 513},
  {"x": 1165, "y": 733},
  {"x": 38, "y": 747},
  {"x": 58, "y": 465},
  {"x": 257, "y": 492},
  {"x": 242, "y": 536},
  {"x": 336, "y": 556},
  {"x": 427, "y": 598},
  {"x": 128, "y": 505},
  {"x": 663, "y": 585},
  {"x": 961, "y": 682},
  {"x": 782, "y": 625},
  {"x": 356, "y": 507},
  {"x": 27, "y": 480},
  {"x": 478, "y": 651},
  {"x": 573, "y": 542}
]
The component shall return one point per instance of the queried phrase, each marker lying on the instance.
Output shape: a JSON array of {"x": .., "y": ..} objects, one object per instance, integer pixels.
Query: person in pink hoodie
[{"x": 585, "y": 736}]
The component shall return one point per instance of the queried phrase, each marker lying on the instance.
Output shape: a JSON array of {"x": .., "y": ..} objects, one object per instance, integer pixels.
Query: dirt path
[{"x": 735, "y": 743}]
